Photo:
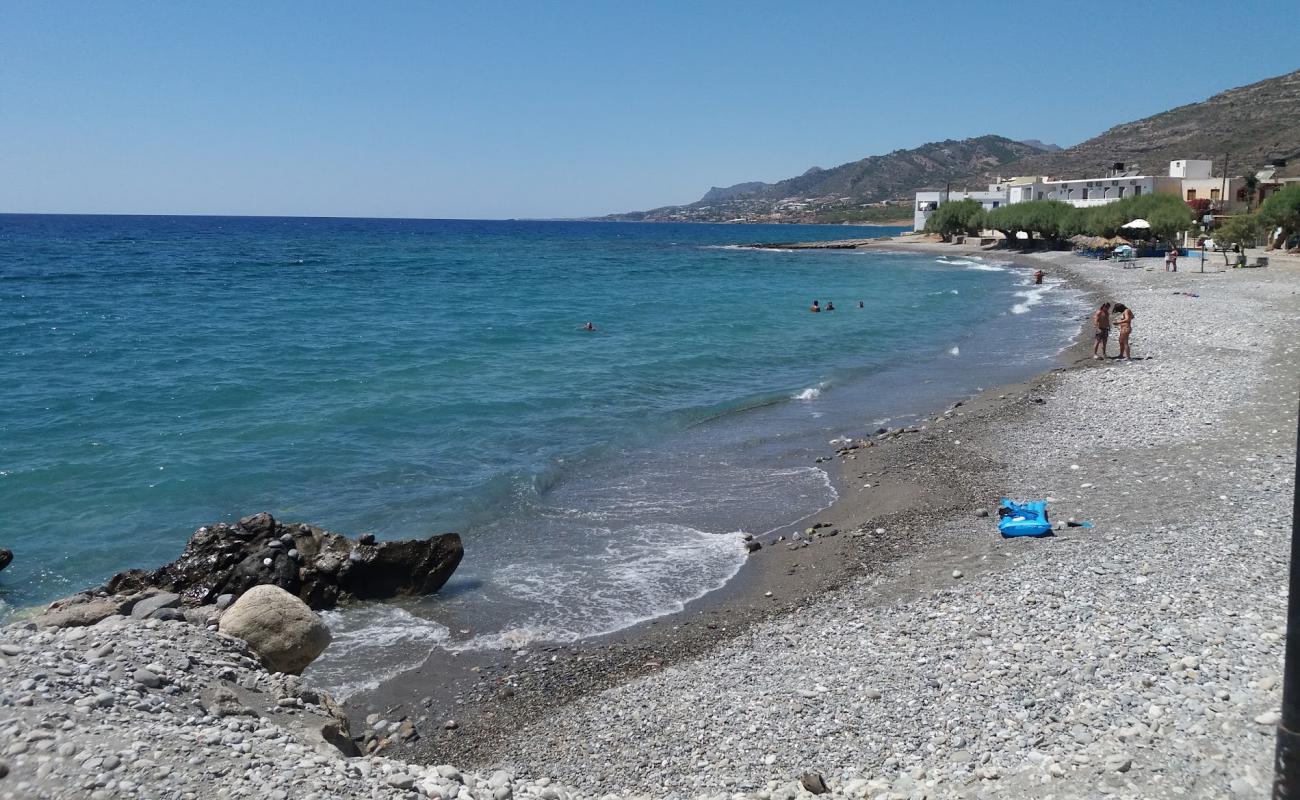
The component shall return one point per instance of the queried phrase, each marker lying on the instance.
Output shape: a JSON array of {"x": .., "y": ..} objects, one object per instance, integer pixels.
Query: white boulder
[{"x": 279, "y": 627}]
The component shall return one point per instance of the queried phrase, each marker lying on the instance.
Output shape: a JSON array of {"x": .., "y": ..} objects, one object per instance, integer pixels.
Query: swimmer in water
[
  {"x": 816, "y": 309},
  {"x": 589, "y": 327},
  {"x": 830, "y": 306},
  {"x": 860, "y": 304}
]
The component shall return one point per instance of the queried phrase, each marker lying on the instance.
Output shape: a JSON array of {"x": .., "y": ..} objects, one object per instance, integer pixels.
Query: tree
[
  {"x": 1049, "y": 219},
  {"x": 1168, "y": 215},
  {"x": 1282, "y": 210},
  {"x": 1200, "y": 207},
  {"x": 1240, "y": 230},
  {"x": 1005, "y": 220},
  {"x": 1252, "y": 188},
  {"x": 956, "y": 216}
]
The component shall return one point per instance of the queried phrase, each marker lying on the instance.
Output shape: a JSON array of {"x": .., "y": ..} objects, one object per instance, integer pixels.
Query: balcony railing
[{"x": 1091, "y": 201}]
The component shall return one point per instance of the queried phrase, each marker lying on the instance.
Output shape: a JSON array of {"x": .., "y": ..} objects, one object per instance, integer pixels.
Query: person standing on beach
[
  {"x": 1101, "y": 321},
  {"x": 1125, "y": 324},
  {"x": 816, "y": 308}
]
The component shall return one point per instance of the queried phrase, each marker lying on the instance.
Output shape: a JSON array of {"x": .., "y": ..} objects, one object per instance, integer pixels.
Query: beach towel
[{"x": 1024, "y": 519}]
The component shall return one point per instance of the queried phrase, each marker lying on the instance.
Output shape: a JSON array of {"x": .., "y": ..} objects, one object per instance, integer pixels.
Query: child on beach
[
  {"x": 1101, "y": 321},
  {"x": 1125, "y": 325}
]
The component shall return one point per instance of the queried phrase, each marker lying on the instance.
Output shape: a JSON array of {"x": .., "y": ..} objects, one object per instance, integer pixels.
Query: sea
[{"x": 411, "y": 377}]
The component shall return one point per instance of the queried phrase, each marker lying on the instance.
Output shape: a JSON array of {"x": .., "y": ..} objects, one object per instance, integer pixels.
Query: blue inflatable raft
[{"x": 1024, "y": 519}]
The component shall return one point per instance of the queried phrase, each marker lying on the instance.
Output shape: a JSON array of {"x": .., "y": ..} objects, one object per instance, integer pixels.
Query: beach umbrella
[{"x": 1137, "y": 223}]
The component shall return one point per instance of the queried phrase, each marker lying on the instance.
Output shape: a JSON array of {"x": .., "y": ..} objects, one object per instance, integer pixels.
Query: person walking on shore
[
  {"x": 1101, "y": 321},
  {"x": 1125, "y": 324}
]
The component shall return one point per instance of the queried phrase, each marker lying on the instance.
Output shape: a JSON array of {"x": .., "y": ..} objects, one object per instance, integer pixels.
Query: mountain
[
  {"x": 1252, "y": 124},
  {"x": 1041, "y": 145},
  {"x": 719, "y": 194},
  {"x": 850, "y": 191}
]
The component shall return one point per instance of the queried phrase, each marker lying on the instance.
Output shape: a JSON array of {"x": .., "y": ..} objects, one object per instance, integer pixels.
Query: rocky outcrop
[
  {"x": 221, "y": 562},
  {"x": 280, "y": 628},
  {"x": 6, "y": 556},
  {"x": 319, "y": 567}
]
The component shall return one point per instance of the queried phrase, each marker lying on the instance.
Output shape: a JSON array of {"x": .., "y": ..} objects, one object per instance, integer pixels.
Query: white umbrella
[{"x": 1137, "y": 223}]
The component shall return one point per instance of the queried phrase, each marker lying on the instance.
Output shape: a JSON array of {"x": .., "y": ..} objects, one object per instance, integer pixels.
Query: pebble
[{"x": 1054, "y": 673}]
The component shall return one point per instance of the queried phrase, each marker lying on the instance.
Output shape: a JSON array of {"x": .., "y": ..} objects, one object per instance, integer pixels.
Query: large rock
[
  {"x": 146, "y": 606},
  {"x": 80, "y": 610},
  {"x": 319, "y": 567},
  {"x": 279, "y": 627},
  {"x": 6, "y": 556}
]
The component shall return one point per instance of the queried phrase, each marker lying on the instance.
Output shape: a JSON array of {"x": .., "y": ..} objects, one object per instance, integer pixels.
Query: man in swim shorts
[{"x": 1101, "y": 322}]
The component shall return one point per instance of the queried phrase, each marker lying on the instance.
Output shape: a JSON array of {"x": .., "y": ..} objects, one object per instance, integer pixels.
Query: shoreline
[
  {"x": 951, "y": 564},
  {"x": 479, "y": 688},
  {"x": 1138, "y": 658}
]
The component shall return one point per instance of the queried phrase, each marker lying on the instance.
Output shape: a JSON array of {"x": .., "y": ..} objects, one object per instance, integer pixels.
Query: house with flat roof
[
  {"x": 928, "y": 201},
  {"x": 1190, "y": 179}
]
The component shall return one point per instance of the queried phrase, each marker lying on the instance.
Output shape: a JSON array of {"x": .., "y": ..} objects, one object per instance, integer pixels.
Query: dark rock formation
[
  {"x": 5, "y": 557},
  {"x": 320, "y": 567}
]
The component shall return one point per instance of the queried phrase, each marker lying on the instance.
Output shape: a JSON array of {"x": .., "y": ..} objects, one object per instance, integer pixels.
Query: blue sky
[{"x": 492, "y": 110}]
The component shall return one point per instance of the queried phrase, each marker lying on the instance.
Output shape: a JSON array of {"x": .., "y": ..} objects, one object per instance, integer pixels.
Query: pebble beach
[{"x": 1139, "y": 658}]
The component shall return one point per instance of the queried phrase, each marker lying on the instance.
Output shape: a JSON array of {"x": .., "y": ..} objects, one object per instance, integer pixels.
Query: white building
[
  {"x": 927, "y": 202},
  {"x": 1084, "y": 192},
  {"x": 1190, "y": 169},
  {"x": 1187, "y": 178}
]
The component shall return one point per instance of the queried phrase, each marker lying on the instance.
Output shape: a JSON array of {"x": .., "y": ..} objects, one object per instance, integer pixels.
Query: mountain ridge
[{"x": 1252, "y": 124}]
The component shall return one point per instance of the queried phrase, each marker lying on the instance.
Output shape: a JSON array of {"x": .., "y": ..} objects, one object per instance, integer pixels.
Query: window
[
  {"x": 1191, "y": 194},
  {"x": 1084, "y": 194},
  {"x": 1214, "y": 194},
  {"x": 1137, "y": 190},
  {"x": 1040, "y": 195},
  {"x": 1241, "y": 195}
]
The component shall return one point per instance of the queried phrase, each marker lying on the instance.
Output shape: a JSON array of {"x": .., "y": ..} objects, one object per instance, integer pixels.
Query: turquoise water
[{"x": 411, "y": 377}]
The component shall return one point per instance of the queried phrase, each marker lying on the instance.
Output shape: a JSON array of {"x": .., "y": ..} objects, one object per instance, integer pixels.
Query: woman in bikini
[{"x": 1124, "y": 321}]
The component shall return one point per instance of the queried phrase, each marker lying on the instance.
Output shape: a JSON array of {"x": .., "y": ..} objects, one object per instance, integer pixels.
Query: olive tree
[
  {"x": 1240, "y": 230},
  {"x": 1281, "y": 210},
  {"x": 956, "y": 216}
]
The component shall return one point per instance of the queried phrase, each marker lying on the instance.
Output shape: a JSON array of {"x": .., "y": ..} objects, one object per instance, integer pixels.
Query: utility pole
[
  {"x": 1286, "y": 758},
  {"x": 1223, "y": 194}
]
